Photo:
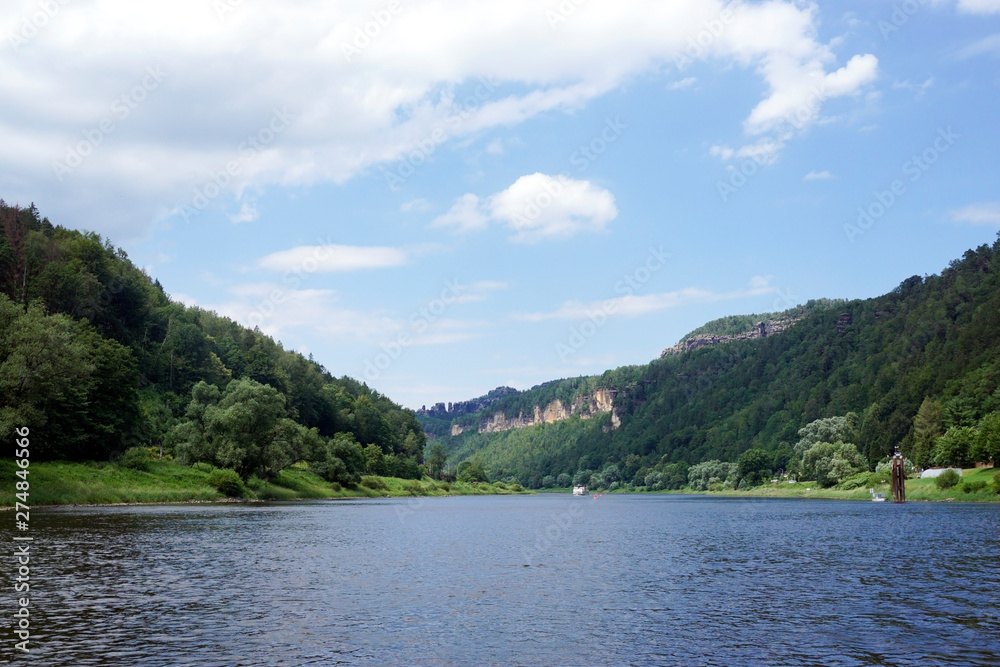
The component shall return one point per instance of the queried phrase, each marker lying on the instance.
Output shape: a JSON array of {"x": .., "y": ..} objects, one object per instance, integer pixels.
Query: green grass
[
  {"x": 916, "y": 490},
  {"x": 61, "y": 483}
]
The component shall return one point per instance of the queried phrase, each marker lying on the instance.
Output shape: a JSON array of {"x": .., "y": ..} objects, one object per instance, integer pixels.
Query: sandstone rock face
[
  {"x": 585, "y": 405},
  {"x": 457, "y": 430},
  {"x": 761, "y": 330}
]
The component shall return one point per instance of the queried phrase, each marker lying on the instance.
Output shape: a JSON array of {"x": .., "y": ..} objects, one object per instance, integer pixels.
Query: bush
[
  {"x": 373, "y": 483},
  {"x": 947, "y": 479},
  {"x": 996, "y": 483},
  {"x": 136, "y": 458},
  {"x": 516, "y": 488},
  {"x": 226, "y": 481},
  {"x": 973, "y": 487},
  {"x": 201, "y": 466}
]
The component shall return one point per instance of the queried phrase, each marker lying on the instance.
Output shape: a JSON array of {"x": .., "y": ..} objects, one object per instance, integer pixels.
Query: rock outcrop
[
  {"x": 601, "y": 401},
  {"x": 760, "y": 330}
]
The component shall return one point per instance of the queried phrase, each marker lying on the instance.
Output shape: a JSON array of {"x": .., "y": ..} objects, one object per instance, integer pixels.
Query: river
[{"x": 522, "y": 580}]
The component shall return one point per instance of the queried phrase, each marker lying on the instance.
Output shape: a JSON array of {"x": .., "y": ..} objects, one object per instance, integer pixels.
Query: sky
[{"x": 439, "y": 198}]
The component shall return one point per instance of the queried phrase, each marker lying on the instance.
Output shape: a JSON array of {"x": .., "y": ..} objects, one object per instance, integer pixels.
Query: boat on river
[{"x": 580, "y": 490}]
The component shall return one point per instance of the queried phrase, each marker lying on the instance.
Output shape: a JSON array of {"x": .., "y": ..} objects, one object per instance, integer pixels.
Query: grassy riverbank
[
  {"x": 60, "y": 483},
  {"x": 916, "y": 490}
]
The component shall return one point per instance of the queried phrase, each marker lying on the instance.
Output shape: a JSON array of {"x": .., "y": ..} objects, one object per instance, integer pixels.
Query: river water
[{"x": 528, "y": 580}]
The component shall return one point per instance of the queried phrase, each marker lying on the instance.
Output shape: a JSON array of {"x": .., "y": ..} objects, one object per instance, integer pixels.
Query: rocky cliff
[
  {"x": 763, "y": 329},
  {"x": 601, "y": 401}
]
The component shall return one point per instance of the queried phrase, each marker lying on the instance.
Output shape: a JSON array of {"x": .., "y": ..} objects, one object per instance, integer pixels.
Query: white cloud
[
  {"x": 985, "y": 46},
  {"x": 415, "y": 205},
  {"x": 817, "y": 176},
  {"x": 328, "y": 258},
  {"x": 540, "y": 207},
  {"x": 536, "y": 207},
  {"x": 979, "y": 6},
  {"x": 918, "y": 88},
  {"x": 978, "y": 214},
  {"x": 683, "y": 83},
  {"x": 349, "y": 114},
  {"x": 464, "y": 216},
  {"x": 247, "y": 213},
  {"x": 633, "y": 305}
]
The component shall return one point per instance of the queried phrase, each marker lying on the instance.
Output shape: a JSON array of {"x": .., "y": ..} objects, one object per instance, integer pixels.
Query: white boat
[
  {"x": 580, "y": 491},
  {"x": 876, "y": 497}
]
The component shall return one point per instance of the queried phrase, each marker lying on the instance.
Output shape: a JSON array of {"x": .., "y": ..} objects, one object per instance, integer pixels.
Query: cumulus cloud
[
  {"x": 442, "y": 68},
  {"x": 536, "y": 207},
  {"x": 330, "y": 258},
  {"x": 463, "y": 216}
]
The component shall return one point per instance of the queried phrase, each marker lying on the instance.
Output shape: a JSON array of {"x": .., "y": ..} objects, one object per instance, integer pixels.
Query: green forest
[
  {"x": 102, "y": 365},
  {"x": 916, "y": 369}
]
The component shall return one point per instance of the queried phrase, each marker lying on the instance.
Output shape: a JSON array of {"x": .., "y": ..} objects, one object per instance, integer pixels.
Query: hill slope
[
  {"x": 96, "y": 359},
  {"x": 935, "y": 339}
]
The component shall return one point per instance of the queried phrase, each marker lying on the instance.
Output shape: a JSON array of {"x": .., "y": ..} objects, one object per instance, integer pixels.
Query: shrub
[
  {"x": 516, "y": 488},
  {"x": 201, "y": 466},
  {"x": 947, "y": 479},
  {"x": 500, "y": 485},
  {"x": 136, "y": 458},
  {"x": 373, "y": 483},
  {"x": 226, "y": 481},
  {"x": 974, "y": 487},
  {"x": 996, "y": 483}
]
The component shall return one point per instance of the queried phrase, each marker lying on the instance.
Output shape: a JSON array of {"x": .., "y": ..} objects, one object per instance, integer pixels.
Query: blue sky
[{"x": 478, "y": 194}]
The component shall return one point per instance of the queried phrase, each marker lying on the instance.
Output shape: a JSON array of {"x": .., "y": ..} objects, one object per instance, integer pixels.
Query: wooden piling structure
[{"x": 898, "y": 479}]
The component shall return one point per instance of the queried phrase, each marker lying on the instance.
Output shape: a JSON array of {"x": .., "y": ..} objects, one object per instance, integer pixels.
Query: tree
[
  {"x": 830, "y": 463},
  {"x": 74, "y": 388},
  {"x": 926, "y": 430},
  {"x": 753, "y": 467},
  {"x": 472, "y": 471},
  {"x": 374, "y": 460},
  {"x": 242, "y": 428},
  {"x": 563, "y": 480},
  {"x": 954, "y": 448},
  {"x": 987, "y": 446},
  {"x": 436, "y": 461}
]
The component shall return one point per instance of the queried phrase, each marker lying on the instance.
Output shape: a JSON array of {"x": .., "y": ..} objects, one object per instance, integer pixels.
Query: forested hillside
[
  {"x": 96, "y": 359},
  {"x": 931, "y": 346}
]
